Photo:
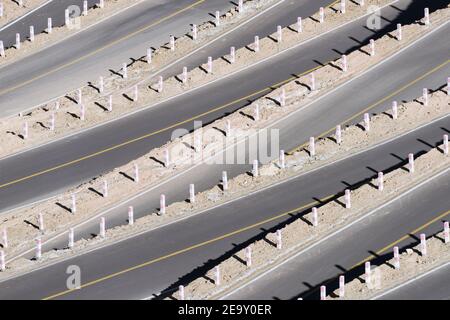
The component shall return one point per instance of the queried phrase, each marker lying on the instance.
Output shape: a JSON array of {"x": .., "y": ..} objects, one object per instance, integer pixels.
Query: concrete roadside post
[
  {"x": 224, "y": 181},
  {"x": 210, "y": 65},
  {"x": 135, "y": 93},
  {"x": 423, "y": 244},
  {"x": 217, "y": 275},
  {"x": 411, "y": 163},
  {"x": 343, "y": 6},
  {"x": 136, "y": 172},
  {"x": 184, "y": 75},
  {"x": 396, "y": 258},
  {"x": 1, "y": 9},
  {"x": 248, "y": 256},
  {"x": 256, "y": 115},
  {"x": 380, "y": 181},
  {"x": 31, "y": 33},
  {"x": 323, "y": 293},
  {"x": 101, "y": 4},
  {"x": 160, "y": 84},
  {"x": 2, "y": 261},
  {"x": 321, "y": 15},
  {"x": 79, "y": 96},
  {"x": 181, "y": 292},
  {"x": 149, "y": 55},
  {"x": 162, "y": 204},
  {"x": 124, "y": 70},
  {"x": 5, "y": 238},
  {"x": 347, "y": 199},
  {"x": 194, "y": 32},
  {"x": 2, "y": 49},
  {"x": 217, "y": 17},
  {"x": 102, "y": 227},
  {"x": 192, "y": 193},
  {"x": 446, "y": 232},
  {"x": 255, "y": 169},
  {"x": 172, "y": 43},
  {"x": 66, "y": 17},
  {"x": 344, "y": 63},
  {"x": 40, "y": 221},
  {"x": 312, "y": 147},
  {"x": 368, "y": 273},
  {"x": 241, "y": 6},
  {"x": 299, "y": 25},
  {"x": 338, "y": 134},
  {"x": 130, "y": 215},
  {"x": 448, "y": 86},
  {"x": 101, "y": 84},
  {"x": 256, "y": 46},
  {"x": 425, "y": 97},
  {"x": 166, "y": 158},
  {"x": 394, "y": 110},
  {"x": 105, "y": 189},
  {"x": 73, "y": 208},
  {"x": 315, "y": 217},
  {"x": 279, "y": 240},
  {"x": 279, "y": 34},
  {"x": 399, "y": 31},
  {"x": 228, "y": 128},
  {"x": 82, "y": 112},
  {"x": 313, "y": 81},
  {"x": 232, "y": 55},
  {"x": 25, "y": 130},
  {"x": 282, "y": 160},
  {"x": 85, "y": 8},
  {"x": 110, "y": 103},
  {"x": 445, "y": 142},
  {"x": 49, "y": 25},
  {"x": 71, "y": 238},
  {"x": 17, "y": 41},
  {"x": 372, "y": 48},
  {"x": 426, "y": 16},
  {"x": 38, "y": 248},
  {"x": 341, "y": 286},
  {"x": 366, "y": 122}
]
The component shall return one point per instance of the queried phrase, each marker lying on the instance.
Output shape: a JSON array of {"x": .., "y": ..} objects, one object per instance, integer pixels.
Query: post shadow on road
[
  {"x": 332, "y": 284},
  {"x": 201, "y": 271}
]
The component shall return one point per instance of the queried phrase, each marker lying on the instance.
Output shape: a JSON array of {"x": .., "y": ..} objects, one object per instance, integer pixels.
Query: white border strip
[
  {"x": 436, "y": 176},
  {"x": 411, "y": 280}
]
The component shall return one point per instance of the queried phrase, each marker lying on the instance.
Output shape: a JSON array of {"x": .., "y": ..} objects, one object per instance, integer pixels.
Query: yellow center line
[
  {"x": 415, "y": 231},
  {"x": 123, "y": 144},
  {"x": 202, "y": 244},
  {"x": 435, "y": 69},
  {"x": 103, "y": 48}
]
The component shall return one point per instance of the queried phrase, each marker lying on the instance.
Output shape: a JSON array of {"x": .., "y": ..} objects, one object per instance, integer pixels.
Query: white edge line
[
  {"x": 145, "y": 108},
  {"x": 336, "y": 232},
  {"x": 270, "y": 125},
  {"x": 101, "y": 246},
  {"x": 411, "y": 280},
  {"x": 24, "y": 16}
]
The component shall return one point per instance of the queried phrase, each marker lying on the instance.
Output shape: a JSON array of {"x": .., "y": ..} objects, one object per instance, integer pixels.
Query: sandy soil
[
  {"x": 385, "y": 276},
  {"x": 58, "y": 219},
  {"x": 12, "y": 10},
  {"x": 301, "y": 233},
  {"x": 21, "y": 224},
  {"x": 67, "y": 117},
  {"x": 44, "y": 39}
]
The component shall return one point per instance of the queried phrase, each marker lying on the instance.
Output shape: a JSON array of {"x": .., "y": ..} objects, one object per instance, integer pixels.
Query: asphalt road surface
[
  {"x": 433, "y": 285},
  {"x": 329, "y": 259},
  {"x": 168, "y": 272},
  {"x": 412, "y": 64}
]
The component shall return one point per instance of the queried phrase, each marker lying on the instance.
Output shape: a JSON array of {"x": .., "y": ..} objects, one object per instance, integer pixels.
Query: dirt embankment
[
  {"x": 12, "y": 10},
  {"x": 78, "y": 23},
  {"x": 121, "y": 183},
  {"x": 21, "y": 224},
  {"x": 301, "y": 233},
  {"x": 385, "y": 276},
  {"x": 68, "y": 116}
]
